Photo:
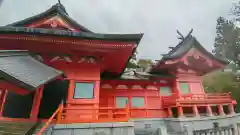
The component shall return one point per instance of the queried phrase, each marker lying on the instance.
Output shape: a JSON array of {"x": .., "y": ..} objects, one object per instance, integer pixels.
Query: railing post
[
  {"x": 95, "y": 113},
  {"x": 195, "y": 110},
  {"x": 180, "y": 111},
  {"x": 209, "y": 110},
  {"x": 60, "y": 108},
  {"x": 127, "y": 110},
  {"x": 110, "y": 113},
  {"x": 220, "y": 110},
  {"x": 59, "y": 115},
  {"x": 231, "y": 109}
]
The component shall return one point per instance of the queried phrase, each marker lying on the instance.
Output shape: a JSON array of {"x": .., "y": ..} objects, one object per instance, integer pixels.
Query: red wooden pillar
[
  {"x": 180, "y": 111},
  {"x": 195, "y": 111},
  {"x": 176, "y": 88},
  {"x": 96, "y": 97},
  {"x": 36, "y": 103},
  {"x": 3, "y": 98},
  {"x": 220, "y": 110},
  {"x": 70, "y": 98},
  {"x": 231, "y": 109},
  {"x": 170, "y": 114},
  {"x": 209, "y": 110}
]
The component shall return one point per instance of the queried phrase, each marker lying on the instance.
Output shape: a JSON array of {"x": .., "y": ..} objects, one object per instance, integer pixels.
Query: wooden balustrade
[
  {"x": 56, "y": 113},
  {"x": 101, "y": 114},
  {"x": 197, "y": 98},
  {"x": 89, "y": 115}
]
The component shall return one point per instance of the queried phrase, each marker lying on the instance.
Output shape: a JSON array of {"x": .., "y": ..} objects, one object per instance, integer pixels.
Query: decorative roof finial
[
  {"x": 190, "y": 32},
  {"x": 59, "y": 1},
  {"x": 181, "y": 36}
]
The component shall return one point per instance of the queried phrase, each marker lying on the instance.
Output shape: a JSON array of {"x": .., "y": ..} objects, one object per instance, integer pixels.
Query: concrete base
[
  {"x": 156, "y": 126},
  {"x": 183, "y": 126},
  {"x": 121, "y": 128}
]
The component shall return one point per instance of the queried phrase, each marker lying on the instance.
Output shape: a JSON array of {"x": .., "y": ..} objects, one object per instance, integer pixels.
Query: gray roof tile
[{"x": 25, "y": 71}]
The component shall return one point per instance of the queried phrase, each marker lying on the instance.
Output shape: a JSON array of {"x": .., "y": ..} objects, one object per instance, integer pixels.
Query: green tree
[
  {"x": 144, "y": 63},
  {"x": 235, "y": 10},
  {"x": 223, "y": 82},
  {"x": 219, "y": 40},
  {"x": 227, "y": 43}
]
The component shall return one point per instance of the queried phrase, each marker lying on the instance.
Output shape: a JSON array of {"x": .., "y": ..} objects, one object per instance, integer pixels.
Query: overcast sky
[{"x": 157, "y": 19}]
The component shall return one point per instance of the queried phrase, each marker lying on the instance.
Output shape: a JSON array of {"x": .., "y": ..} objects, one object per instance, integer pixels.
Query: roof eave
[
  {"x": 134, "y": 50},
  {"x": 17, "y": 82},
  {"x": 85, "y": 35}
]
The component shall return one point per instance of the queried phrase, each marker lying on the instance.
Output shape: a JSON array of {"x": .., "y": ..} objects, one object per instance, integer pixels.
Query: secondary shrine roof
[
  {"x": 185, "y": 45},
  {"x": 24, "y": 71},
  {"x": 189, "y": 54}
]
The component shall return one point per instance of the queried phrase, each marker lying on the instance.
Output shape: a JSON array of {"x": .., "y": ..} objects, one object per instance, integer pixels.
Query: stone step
[
  {"x": 39, "y": 128},
  {"x": 15, "y": 128}
]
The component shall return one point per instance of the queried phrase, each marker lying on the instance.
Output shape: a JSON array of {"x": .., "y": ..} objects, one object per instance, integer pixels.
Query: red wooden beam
[{"x": 11, "y": 87}]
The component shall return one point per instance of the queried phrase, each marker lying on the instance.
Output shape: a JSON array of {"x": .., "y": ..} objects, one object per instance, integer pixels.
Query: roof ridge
[
  {"x": 189, "y": 36},
  {"x": 60, "y": 6},
  {"x": 56, "y": 8}
]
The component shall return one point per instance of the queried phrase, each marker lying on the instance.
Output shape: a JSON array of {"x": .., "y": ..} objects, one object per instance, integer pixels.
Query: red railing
[
  {"x": 175, "y": 99},
  {"x": 87, "y": 115},
  {"x": 56, "y": 113},
  {"x": 90, "y": 115}
]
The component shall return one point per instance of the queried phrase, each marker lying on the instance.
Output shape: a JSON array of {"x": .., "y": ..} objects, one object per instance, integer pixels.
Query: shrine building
[{"x": 57, "y": 72}]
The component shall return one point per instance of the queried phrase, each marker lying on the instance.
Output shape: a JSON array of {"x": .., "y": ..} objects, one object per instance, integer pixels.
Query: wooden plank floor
[{"x": 15, "y": 128}]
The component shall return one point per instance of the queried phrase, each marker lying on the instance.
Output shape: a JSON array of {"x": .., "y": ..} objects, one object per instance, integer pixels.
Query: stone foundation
[
  {"x": 184, "y": 126},
  {"x": 192, "y": 124},
  {"x": 121, "y": 128},
  {"x": 156, "y": 126}
]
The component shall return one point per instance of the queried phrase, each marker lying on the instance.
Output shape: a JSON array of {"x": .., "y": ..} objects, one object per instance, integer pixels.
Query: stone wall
[
  {"x": 120, "y": 128},
  {"x": 150, "y": 127},
  {"x": 191, "y": 124},
  {"x": 155, "y": 126},
  {"x": 184, "y": 126}
]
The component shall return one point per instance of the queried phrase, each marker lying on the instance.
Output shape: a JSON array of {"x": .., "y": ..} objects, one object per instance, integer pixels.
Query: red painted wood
[
  {"x": 88, "y": 72},
  {"x": 55, "y": 22},
  {"x": 4, "y": 94},
  {"x": 153, "y": 101},
  {"x": 197, "y": 53},
  {"x": 36, "y": 103},
  {"x": 82, "y": 75},
  {"x": 11, "y": 87},
  {"x": 194, "y": 81}
]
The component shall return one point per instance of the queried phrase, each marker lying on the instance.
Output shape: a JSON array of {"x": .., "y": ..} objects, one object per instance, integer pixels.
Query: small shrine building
[{"x": 51, "y": 65}]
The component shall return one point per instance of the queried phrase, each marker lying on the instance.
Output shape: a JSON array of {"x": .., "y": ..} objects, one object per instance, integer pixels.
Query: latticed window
[
  {"x": 121, "y": 102},
  {"x": 184, "y": 87},
  {"x": 165, "y": 91},
  {"x": 138, "y": 102},
  {"x": 84, "y": 90}
]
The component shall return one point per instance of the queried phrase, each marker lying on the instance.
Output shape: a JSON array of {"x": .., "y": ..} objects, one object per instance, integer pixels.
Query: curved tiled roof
[
  {"x": 19, "y": 68},
  {"x": 184, "y": 46},
  {"x": 57, "y": 9}
]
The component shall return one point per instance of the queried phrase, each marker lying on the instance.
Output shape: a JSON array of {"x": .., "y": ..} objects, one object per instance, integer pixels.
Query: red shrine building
[{"x": 57, "y": 71}]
